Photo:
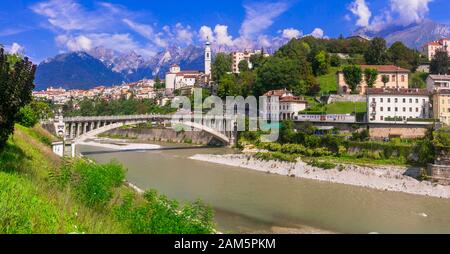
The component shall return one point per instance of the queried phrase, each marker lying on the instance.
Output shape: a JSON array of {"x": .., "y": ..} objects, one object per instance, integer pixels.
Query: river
[{"x": 247, "y": 201}]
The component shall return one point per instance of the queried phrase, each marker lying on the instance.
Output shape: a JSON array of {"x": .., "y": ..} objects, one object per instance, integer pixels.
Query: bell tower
[{"x": 208, "y": 58}]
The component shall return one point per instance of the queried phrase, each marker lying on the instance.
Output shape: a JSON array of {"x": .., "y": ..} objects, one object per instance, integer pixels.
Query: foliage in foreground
[{"x": 157, "y": 214}]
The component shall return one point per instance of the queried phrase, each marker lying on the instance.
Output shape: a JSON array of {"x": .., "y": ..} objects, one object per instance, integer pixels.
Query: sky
[{"x": 44, "y": 28}]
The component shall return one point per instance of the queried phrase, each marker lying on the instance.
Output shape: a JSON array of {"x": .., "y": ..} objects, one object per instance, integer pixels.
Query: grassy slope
[
  {"x": 36, "y": 205},
  {"x": 328, "y": 83}
]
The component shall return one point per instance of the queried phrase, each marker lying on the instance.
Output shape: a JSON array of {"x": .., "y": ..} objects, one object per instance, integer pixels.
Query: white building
[
  {"x": 288, "y": 105},
  {"x": 177, "y": 79},
  {"x": 397, "y": 105},
  {"x": 438, "y": 82},
  {"x": 208, "y": 58},
  {"x": 430, "y": 49},
  {"x": 237, "y": 57}
]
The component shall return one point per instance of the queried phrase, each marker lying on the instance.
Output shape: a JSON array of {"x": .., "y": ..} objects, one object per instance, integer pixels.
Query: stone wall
[
  {"x": 346, "y": 98},
  {"x": 385, "y": 131},
  {"x": 440, "y": 173},
  {"x": 165, "y": 135}
]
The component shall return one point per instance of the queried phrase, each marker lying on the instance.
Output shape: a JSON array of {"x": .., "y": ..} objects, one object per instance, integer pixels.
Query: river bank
[{"x": 386, "y": 178}]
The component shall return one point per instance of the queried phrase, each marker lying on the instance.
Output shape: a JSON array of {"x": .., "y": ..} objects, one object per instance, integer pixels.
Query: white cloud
[
  {"x": 183, "y": 34},
  {"x": 222, "y": 36},
  {"x": 410, "y": 11},
  {"x": 290, "y": 33},
  {"x": 318, "y": 33},
  {"x": 15, "y": 48},
  {"x": 78, "y": 43},
  {"x": 259, "y": 17},
  {"x": 144, "y": 30},
  {"x": 205, "y": 33},
  {"x": 399, "y": 12},
  {"x": 360, "y": 9}
]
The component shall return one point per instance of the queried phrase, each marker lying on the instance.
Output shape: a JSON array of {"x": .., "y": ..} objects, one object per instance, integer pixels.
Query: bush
[
  {"x": 322, "y": 164},
  {"x": 160, "y": 215},
  {"x": 27, "y": 117},
  {"x": 276, "y": 156},
  {"x": 93, "y": 183}
]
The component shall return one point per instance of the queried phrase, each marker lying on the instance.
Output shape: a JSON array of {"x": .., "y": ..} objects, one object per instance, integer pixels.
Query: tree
[
  {"x": 294, "y": 49},
  {"x": 158, "y": 84},
  {"x": 370, "y": 76},
  {"x": 335, "y": 60},
  {"x": 278, "y": 73},
  {"x": 440, "y": 63},
  {"x": 352, "y": 76},
  {"x": 243, "y": 66},
  {"x": 16, "y": 85},
  {"x": 221, "y": 66},
  {"x": 385, "y": 79},
  {"x": 27, "y": 117},
  {"x": 321, "y": 63},
  {"x": 376, "y": 53},
  {"x": 228, "y": 86},
  {"x": 402, "y": 56},
  {"x": 257, "y": 59}
]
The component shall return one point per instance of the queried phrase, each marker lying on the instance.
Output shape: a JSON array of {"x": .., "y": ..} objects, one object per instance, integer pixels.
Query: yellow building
[
  {"x": 398, "y": 78},
  {"x": 441, "y": 106}
]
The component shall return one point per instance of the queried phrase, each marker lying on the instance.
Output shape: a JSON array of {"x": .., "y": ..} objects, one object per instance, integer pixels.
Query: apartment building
[
  {"x": 398, "y": 78},
  {"x": 438, "y": 82},
  {"x": 397, "y": 105},
  {"x": 430, "y": 49},
  {"x": 441, "y": 106}
]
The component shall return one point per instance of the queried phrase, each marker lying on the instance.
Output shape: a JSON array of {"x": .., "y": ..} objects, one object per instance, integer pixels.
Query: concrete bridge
[{"x": 79, "y": 129}]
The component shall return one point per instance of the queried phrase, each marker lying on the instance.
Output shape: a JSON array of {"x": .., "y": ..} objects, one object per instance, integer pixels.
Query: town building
[
  {"x": 397, "y": 105},
  {"x": 178, "y": 79},
  {"x": 289, "y": 105},
  {"x": 237, "y": 57},
  {"x": 441, "y": 106},
  {"x": 438, "y": 82},
  {"x": 398, "y": 78},
  {"x": 431, "y": 48}
]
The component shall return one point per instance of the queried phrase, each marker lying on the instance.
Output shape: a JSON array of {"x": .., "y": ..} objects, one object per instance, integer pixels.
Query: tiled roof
[
  {"x": 277, "y": 93},
  {"x": 443, "y": 91},
  {"x": 439, "y": 77},
  {"x": 385, "y": 68},
  {"x": 397, "y": 91}
]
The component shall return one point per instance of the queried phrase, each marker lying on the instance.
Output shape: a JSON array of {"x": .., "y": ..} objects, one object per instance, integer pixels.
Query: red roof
[
  {"x": 277, "y": 93},
  {"x": 292, "y": 99},
  {"x": 385, "y": 68}
]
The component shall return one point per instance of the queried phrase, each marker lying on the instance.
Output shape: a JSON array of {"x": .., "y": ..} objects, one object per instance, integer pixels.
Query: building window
[
  {"x": 389, "y": 100},
  {"x": 404, "y": 109},
  {"x": 373, "y": 100},
  {"x": 396, "y": 100},
  {"x": 417, "y": 100},
  {"x": 389, "y": 109},
  {"x": 403, "y": 78},
  {"x": 410, "y": 109},
  {"x": 396, "y": 109},
  {"x": 404, "y": 100},
  {"x": 382, "y": 118},
  {"x": 381, "y": 109},
  {"x": 381, "y": 99},
  {"x": 417, "y": 109},
  {"x": 393, "y": 78},
  {"x": 410, "y": 100}
]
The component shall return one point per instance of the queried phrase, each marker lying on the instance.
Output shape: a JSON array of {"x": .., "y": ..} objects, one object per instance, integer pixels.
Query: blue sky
[{"x": 44, "y": 28}]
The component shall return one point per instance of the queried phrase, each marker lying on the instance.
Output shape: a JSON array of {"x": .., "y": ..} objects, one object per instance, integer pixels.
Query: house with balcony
[{"x": 438, "y": 82}]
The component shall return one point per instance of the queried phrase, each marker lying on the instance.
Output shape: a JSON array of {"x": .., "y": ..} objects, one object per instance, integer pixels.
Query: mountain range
[
  {"x": 102, "y": 66},
  {"x": 414, "y": 36}
]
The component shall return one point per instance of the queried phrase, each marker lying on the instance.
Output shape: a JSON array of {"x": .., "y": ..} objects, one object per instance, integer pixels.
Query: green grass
[
  {"x": 328, "y": 82},
  {"x": 346, "y": 107}
]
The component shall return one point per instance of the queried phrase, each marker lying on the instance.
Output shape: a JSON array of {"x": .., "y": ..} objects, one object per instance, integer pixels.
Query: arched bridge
[{"x": 79, "y": 129}]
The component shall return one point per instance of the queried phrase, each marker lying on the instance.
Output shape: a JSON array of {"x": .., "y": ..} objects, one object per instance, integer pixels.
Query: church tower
[{"x": 208, "y": 58}]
